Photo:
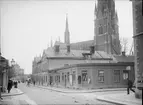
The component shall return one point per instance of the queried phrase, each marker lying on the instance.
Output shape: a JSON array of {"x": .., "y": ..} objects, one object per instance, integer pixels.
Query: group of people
[
  {"x": 30, "y": 81},
  {"x": 10, "y": 84}
]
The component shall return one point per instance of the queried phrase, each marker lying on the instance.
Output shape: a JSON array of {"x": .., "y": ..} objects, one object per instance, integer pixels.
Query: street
[{"x": 45, "y": 96}]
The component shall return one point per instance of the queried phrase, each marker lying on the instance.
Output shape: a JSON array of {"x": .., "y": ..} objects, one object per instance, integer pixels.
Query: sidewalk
[
  {"x": 121, "y": 98},
  {"x": 8, "y": 100},
  {"x": 13, "y": 92},
  {"x": 66, "y": 90}
]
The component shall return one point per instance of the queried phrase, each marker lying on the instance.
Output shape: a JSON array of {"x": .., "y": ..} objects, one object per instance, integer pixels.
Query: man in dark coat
[
  {"x": 9, "y": 86},
  {"x": 130, "y": 85}
]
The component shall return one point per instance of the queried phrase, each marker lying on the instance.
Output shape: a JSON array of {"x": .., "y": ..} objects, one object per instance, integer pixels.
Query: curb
[
  {"x": 18, "y": 93},
  {"x": 114, "y": 101},
  {"x": 109, "y": 101},
  {"x": 80, "y": 91}
]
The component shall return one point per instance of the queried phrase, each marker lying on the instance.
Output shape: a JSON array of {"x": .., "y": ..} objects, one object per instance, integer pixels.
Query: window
[
  {"x": 125, "y": 74},
  {"x": 68, "y": 76},
  {"x": 59, "y": 78},
  {"x": 55, "y": 78},
  {"x": 79, "y": 79},
  {"x": 101, "y": 76},
  {"x": 84, "y": 75},
  {"x": 73, "y": 76},
  {"x": 63, "y": 76},
  {"x": 100, "y": 29},
  {"x": 116, "y": 75}
]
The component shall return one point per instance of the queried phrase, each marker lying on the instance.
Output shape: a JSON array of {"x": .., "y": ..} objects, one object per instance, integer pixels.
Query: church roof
[
  {"x": 74, "y": 53},
  {"x": 84, "y": 45}
]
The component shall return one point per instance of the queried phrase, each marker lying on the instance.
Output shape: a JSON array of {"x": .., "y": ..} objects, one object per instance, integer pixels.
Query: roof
[
  {"x": 74, "y": 53},
  {"x": 121, "y": 58},
  {"x": 84, "y": 45},
  {"x": 92, "y": 64}
]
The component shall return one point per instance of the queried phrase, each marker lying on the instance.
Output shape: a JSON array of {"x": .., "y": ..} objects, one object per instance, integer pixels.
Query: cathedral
[
  {"x": 106, "y": 30},
  {"x": 96, "y": 63}
]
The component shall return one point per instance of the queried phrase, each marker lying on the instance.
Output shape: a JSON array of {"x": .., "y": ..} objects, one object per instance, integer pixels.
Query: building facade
[
  {"x": 96, "y": 63},
  {"x": 82, "y": 69},
  {"x": 138, "y": 44}
]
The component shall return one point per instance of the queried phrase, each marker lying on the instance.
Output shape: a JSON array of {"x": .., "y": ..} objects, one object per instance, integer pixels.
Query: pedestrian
[
  {"x": 0, "y": 93},
  {"x": 130, "y": 85},
  {"x": 9, "y": 86},
  {"x": 34, "y": 83},
  {"x": 15, "y": 84}
]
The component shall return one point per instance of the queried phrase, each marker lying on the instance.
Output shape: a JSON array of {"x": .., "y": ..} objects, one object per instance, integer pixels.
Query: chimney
[
  {"x": 92, "y": 48},
  {"x": 68, "y": 48},
  {"x": 57, "y": 48},
  {"x": 123, "y": 53}
]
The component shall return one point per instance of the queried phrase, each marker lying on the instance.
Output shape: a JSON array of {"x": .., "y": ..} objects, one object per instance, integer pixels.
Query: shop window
[
  {"x": 79, "y": 79},
  {"x": 51, "y": 80},
  {"x": 73, "y": 76},
  {"x": 62, "y": 76},
  {"x": 55, "y": 78},
  {"x": 84, "y": 75},
  {"x": 101, "y": 76},
  {"x": 59, "y": 78},
  {"x": 68, "y": 76},
  {"x": 125, "y": 74},
  {"x": 116, "y": 75}
]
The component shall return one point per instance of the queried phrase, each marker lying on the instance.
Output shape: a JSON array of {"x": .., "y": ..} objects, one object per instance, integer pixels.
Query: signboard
[{"x": 128, "y": 68}]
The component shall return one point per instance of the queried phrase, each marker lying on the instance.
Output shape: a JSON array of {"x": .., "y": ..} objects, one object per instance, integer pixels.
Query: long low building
[{"x": 82, "y": 69}]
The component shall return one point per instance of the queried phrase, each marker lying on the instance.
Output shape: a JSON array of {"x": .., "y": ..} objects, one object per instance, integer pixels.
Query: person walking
[
  {"x": 9, "y": 85},
  {"x": 130, "y": 85},
  {"x": 34, "y": 83},
  {"x": 0, "y": 93}
]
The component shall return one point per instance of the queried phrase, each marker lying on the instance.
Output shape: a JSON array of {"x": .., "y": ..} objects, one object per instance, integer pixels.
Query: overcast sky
[{"x": 27, "y": 26}]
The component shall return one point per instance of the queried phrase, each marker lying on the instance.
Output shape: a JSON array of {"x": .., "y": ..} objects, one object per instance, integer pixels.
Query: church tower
[
  {"x": 106, "y": 27},
  {"x": 67, "y": 34}
]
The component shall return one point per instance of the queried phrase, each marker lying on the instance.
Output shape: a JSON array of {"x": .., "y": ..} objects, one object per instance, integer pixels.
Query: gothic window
[{"x": 100, "y": 29}]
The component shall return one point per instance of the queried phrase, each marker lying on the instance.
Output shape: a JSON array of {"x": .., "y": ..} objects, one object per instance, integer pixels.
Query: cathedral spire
[
  {"x": 67, "y": 34},
  {"x": 95, "y": 9}
]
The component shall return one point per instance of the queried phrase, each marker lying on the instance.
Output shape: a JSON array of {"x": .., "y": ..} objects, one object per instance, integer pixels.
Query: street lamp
[{"x": 12, "y": 62}]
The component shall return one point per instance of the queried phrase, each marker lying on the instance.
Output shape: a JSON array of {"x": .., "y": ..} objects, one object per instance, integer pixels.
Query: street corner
[
  {"x": 24, "y": 99},
  {"x": 19, "y": 91},
  {"x": 13, "y": 93},
  {"x": 119, "y": 99}
]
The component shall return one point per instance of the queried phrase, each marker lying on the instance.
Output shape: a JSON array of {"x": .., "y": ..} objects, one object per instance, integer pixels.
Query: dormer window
[{"x": 86, "y": 55}]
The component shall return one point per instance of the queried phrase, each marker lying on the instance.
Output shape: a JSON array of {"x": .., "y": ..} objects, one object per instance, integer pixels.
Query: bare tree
[{"x": 124, "y": 44}]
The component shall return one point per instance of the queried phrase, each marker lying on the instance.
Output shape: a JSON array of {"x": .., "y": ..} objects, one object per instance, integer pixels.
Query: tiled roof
[
  {"x": 84, "y": 45},
  {"x": 74, "y": 53}
]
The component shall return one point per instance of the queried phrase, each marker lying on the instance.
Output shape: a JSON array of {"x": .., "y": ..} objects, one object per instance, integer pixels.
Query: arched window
[{"x": 100, "y": 29}]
